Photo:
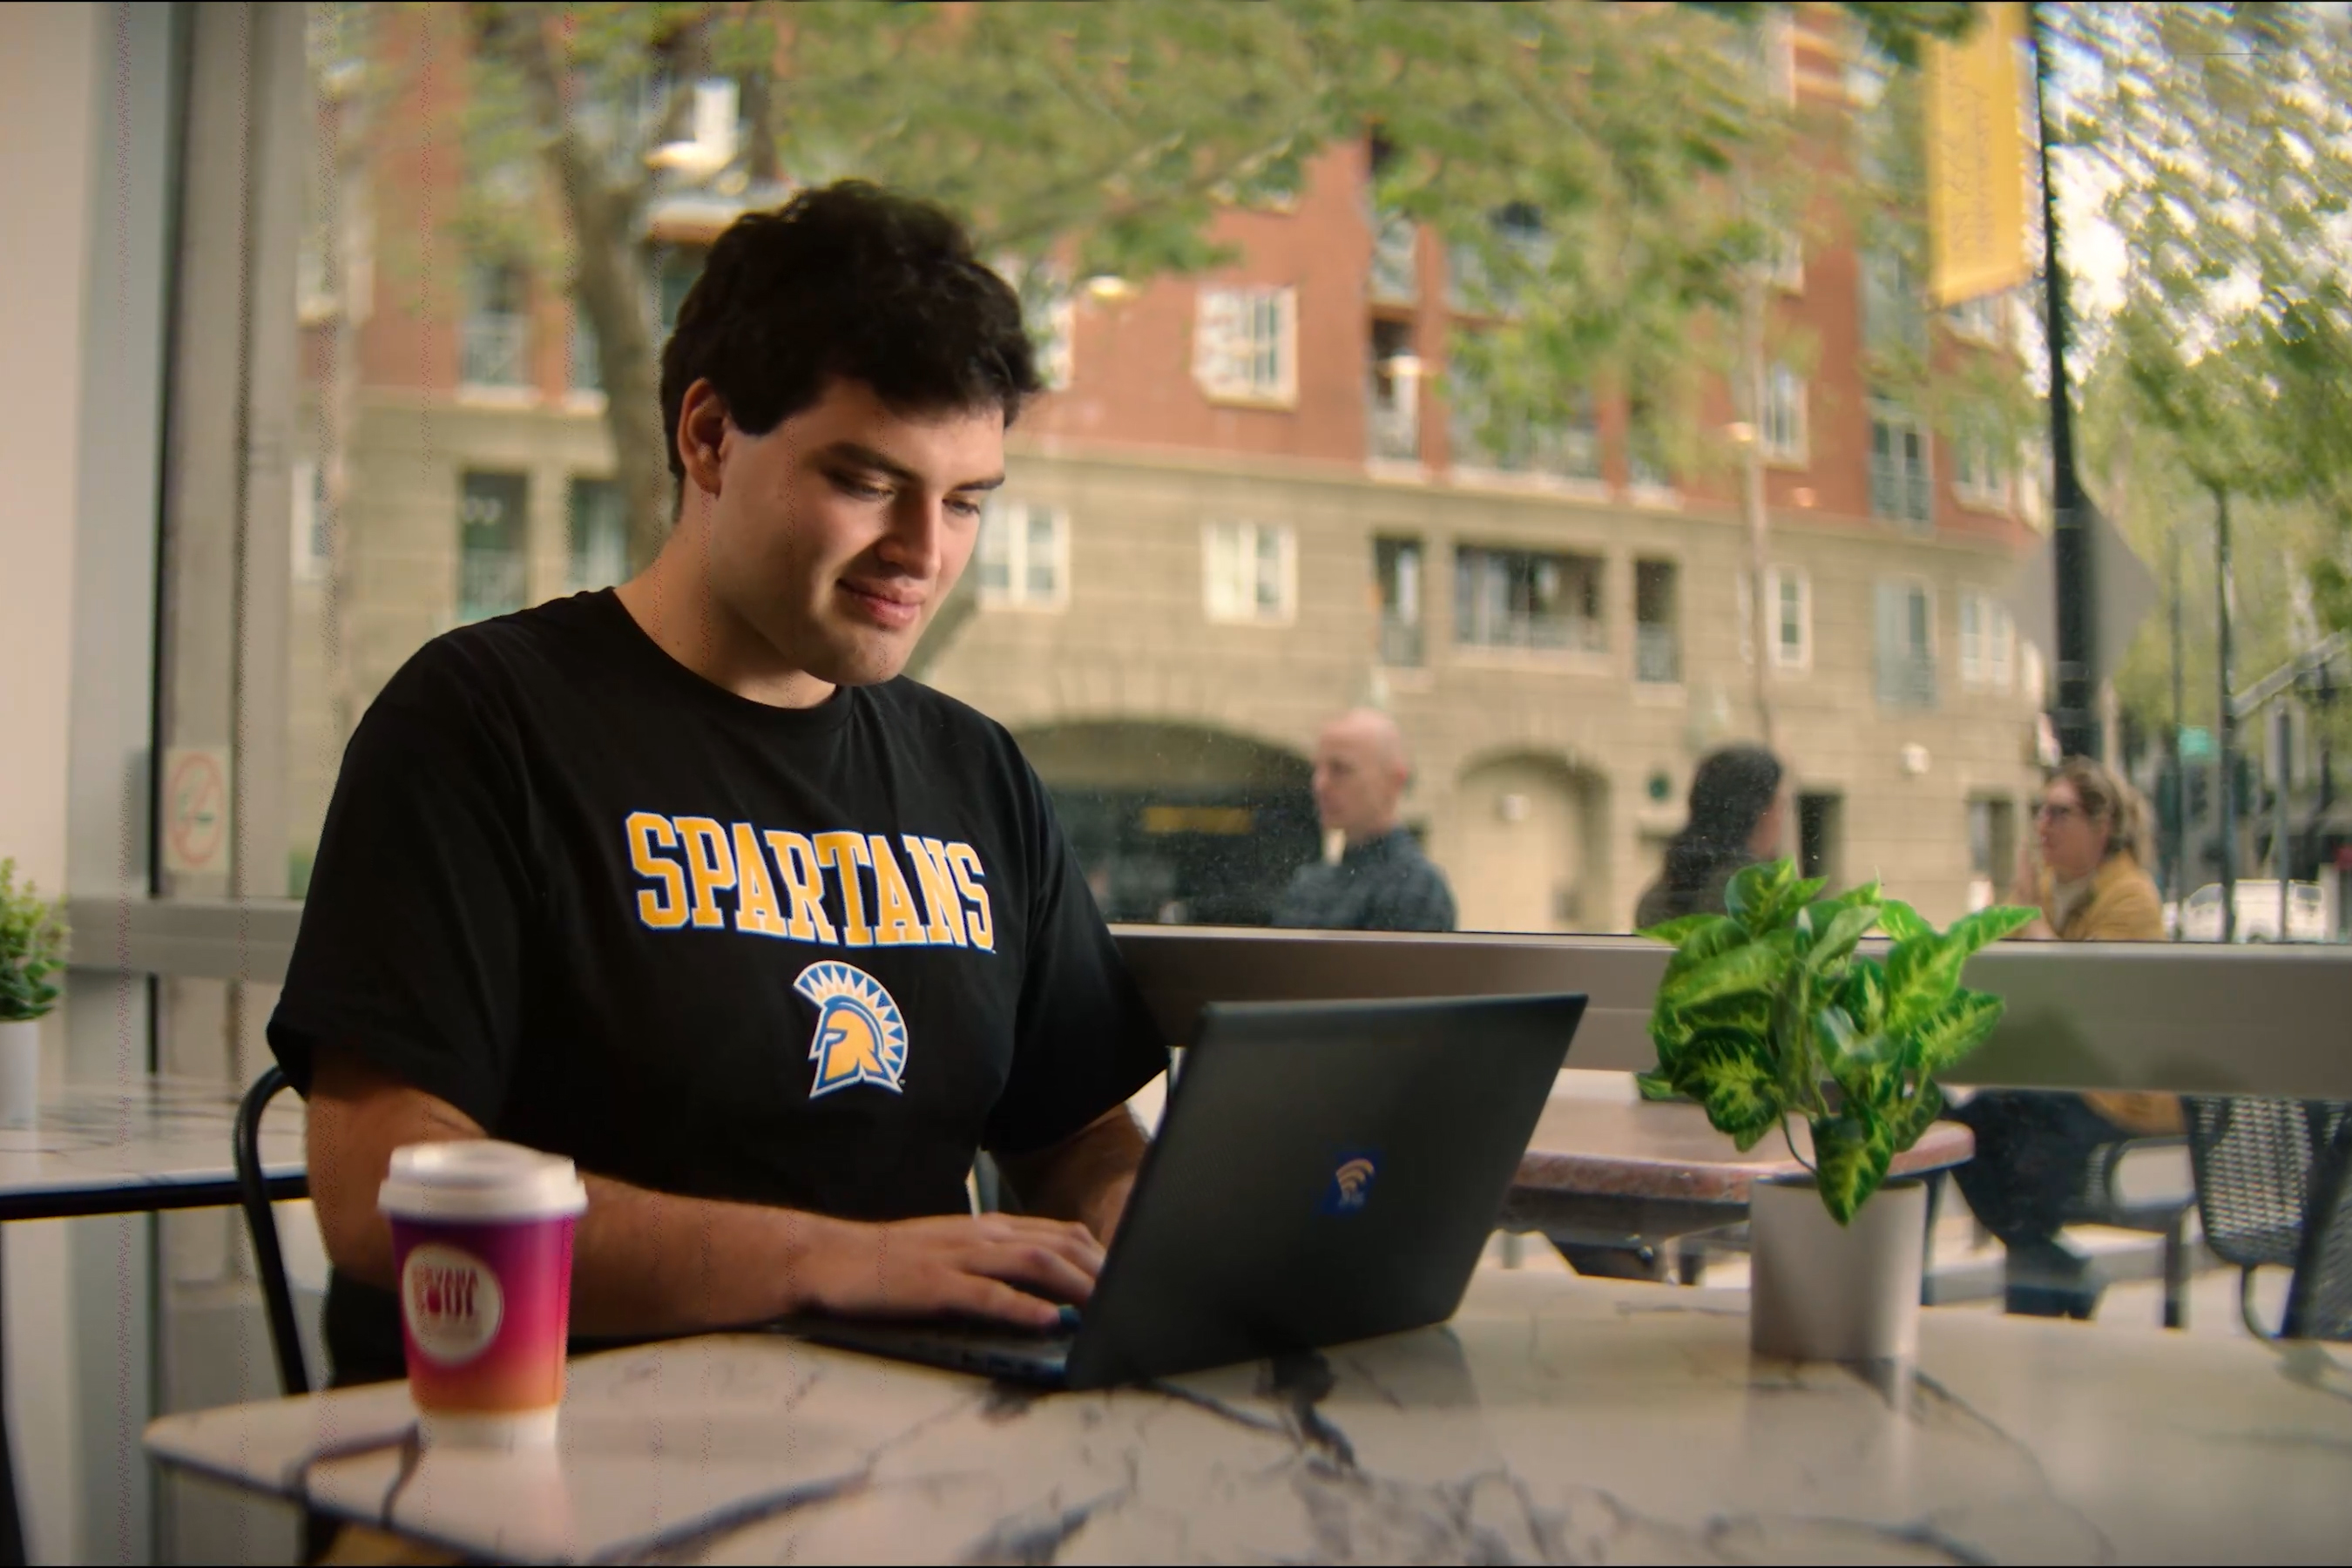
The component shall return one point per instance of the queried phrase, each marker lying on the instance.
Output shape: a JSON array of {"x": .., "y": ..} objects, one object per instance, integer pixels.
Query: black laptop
[{"x": 1324, "y": 1172}]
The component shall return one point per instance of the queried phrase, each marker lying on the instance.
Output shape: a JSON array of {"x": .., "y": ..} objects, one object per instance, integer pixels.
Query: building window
[
  {"x": 1528, "y": 599},
  {"x": 1397, "y": 572},
  {"x": 1906, "y": 644},
  {"x": 1517, "y": 443},
  {"x": 1788, "y": 601},
  {"x": 1250, "y": 571},
  {"x": 1245, "y": 345},
  {"x": 495, "y": 347},
  {"x": 1891, "y": 317},
  {"x": 1898, "y": 466},
  {"x": 585, "y": 367},
  {"x": 1988, "y": 644},
  {"x": 1049, "y": 308},
  {"x": 1648, "y": 466},
  {"x": 1784, "y": 415},
  {"x": 1983, "y": 319},
  {"x": 1392, "y": 408},
  {"x": 1024, "y": 555},
  {"x": 598, "y": 527},
  {"x": 490, "y": 565},
  {"x": 1980, "y": 470},
  {"x": 1396, "y": 266},
  {"x": 1657, "y": 623}
]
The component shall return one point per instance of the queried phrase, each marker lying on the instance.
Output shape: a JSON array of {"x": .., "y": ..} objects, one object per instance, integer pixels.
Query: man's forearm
[{"x": 1085, "y": 1177}]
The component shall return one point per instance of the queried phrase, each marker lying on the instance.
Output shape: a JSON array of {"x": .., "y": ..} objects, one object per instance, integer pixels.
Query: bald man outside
[{"x": 1382, "y": 881}]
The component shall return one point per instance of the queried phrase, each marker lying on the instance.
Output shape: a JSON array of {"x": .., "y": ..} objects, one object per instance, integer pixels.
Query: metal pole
[
  {"x": 2282, "y": 733},
  {"x": 2176, "y": 831},
  {"x": 2225, "y": 740},
  {"x": 2076, "y": 715}
]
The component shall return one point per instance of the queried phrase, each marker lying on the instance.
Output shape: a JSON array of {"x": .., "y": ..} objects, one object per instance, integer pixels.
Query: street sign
[
  {"x": 2195, "y": 743},
  {"x": 2123, "y": 592},
  {"x": 195, "y": 810}
]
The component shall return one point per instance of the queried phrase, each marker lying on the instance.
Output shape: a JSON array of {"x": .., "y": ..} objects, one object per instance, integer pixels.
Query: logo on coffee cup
[{"x": 452, "y": 1302}]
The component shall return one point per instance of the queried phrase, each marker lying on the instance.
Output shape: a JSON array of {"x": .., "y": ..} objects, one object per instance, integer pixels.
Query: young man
[
  {"x": 679, "y": 880},
  {"x": 1382, "y": 881}
]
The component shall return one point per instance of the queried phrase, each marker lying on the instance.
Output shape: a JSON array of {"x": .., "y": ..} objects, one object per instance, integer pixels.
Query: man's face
[
  {"x": 837, "y": 535},
  {"x": 1357, "y": 782}
]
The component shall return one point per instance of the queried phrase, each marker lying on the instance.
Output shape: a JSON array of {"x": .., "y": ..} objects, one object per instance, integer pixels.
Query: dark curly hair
[{"x": 853, "y": 282}]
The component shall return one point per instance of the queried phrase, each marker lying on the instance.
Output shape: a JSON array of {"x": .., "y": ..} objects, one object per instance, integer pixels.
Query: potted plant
[
  {"x": 1769, "y": 1012},
  {"x": 32, "y": 947}
]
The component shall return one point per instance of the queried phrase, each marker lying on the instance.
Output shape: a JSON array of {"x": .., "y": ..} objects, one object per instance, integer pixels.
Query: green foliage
[
  {"x": 1770, "y": 1012},
  {"x": 32, "y": 947}
]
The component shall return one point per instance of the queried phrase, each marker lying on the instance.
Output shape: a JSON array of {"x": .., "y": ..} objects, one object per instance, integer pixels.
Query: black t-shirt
[{"x": 809, "y": 957}]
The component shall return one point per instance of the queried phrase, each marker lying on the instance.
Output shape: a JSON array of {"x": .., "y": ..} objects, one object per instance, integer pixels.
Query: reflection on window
[
  {"x": 1250, "y": 570},
  {"x": 1527, "y": 599},
  {"x": 494, "y": 345},
  {"x": 1784, "y": 415},
  {"x": 1899, "y": 488},
  {"x": 1245, "y": 344},
  {"x": 599, "y": 535},
  {"x": 490, "y": 562},
  {"x": 1906, "y": 644},
  {"x": 1396, "y": 570},
  {"x": 1657, "y": 623},
  {"x": 1022, "y": 557}
]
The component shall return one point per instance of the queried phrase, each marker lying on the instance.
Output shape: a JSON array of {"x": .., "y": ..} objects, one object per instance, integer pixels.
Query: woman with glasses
[{"x": 2033, "y": 1147}]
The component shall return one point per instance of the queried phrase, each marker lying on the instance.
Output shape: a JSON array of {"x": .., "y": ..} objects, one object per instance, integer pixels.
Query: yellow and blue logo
[
  {"x": 860, "y": 1036},
  {"x": 1351, "y": 1182}
]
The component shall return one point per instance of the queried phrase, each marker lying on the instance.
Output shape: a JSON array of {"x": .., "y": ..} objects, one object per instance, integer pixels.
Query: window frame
[
  {"x": 1221, "y": 342},
  {"x": 1254, "y": 532},
  {"x": 996, "y": 521},
  {"x": 1796, "y": 451},
  {"x": 1595, "y": 644}
]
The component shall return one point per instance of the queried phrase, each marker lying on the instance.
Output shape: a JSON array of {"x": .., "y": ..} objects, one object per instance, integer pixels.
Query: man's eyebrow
[{"x": 866, "y": 457}]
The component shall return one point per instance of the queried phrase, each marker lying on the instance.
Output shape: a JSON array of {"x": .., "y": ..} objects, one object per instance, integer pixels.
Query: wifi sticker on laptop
[{"x": 1352, "y": 1176}]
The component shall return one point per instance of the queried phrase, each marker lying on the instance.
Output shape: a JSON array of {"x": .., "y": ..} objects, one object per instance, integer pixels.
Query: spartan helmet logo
[{"x": 860, "y": 1036}]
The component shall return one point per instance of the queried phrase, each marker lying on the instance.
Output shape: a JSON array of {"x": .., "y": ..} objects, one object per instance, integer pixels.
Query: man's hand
[
  {"x": 1008, "y": 1267},
  {"x": 1086, "y": 1177}
]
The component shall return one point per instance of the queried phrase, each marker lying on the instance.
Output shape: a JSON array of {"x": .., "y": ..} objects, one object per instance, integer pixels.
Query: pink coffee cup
[{"x": 481, "y": 1240}]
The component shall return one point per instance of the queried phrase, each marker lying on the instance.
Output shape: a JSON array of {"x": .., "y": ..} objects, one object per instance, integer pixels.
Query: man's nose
[{"x": 916, "y": 539}]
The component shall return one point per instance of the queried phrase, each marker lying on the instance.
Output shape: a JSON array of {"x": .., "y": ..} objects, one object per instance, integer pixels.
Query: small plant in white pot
[
  {"x": 32, "y": 947},
  {"x": 1769, "y": 1012}
]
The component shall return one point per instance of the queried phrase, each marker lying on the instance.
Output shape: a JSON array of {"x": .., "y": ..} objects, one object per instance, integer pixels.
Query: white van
[{"x": 2258, "y": 913}]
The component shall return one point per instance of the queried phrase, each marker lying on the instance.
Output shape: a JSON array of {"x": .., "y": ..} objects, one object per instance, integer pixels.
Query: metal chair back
[
  {"x": 2271, "y": 1193},
  {"x": 261, "y": 1225}
]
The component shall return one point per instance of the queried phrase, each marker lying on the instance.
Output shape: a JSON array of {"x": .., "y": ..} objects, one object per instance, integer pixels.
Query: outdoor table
[
  {"x": 1554, "y": 1419},
  {"x": 1630, "y": 1174},
  {"x": 128, "y": 1148}
]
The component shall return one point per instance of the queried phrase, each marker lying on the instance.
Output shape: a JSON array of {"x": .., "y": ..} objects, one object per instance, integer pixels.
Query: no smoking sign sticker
[{"x": 195, "y": 809}]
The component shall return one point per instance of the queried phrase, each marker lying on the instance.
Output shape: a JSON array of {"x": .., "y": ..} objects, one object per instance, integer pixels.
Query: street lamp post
[{"x": 2075, "y": 713}]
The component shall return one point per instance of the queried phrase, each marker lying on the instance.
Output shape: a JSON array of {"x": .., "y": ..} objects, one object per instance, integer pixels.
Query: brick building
[{"x": 1248, "y": 505}]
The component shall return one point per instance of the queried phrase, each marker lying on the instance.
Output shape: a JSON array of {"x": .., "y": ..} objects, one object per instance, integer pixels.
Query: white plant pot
[
  {"x": 20, "y": 1071},
  {"x": 1822, "y": 1292}
]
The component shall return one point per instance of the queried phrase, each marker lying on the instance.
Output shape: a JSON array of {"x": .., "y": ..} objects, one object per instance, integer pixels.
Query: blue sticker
[{"x": 1352, "y": 1175}]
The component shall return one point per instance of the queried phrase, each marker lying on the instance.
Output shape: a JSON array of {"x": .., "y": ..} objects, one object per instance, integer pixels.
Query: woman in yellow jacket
[{"x": 2033, "y": 1147}]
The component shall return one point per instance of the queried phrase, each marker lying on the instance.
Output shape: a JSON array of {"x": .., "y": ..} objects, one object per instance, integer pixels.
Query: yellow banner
[{"x": 1976, "y": 160}]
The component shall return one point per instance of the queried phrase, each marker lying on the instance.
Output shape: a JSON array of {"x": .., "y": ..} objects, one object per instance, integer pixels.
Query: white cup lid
[{"x": 479, "y": 1178}]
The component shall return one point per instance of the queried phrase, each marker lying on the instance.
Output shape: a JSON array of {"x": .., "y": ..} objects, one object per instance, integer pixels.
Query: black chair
[
  {"x": 261, "y": 1225},
  {"x": 2271, "y": 1178},
  {"x": 2100, "y": 1202}
]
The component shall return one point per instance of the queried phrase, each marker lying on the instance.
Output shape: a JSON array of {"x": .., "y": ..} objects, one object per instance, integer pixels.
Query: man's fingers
[
  {"x": 1037, "y": 1268},
  {"x": 1073, "y": 1241},
  {"x": 981, "y": 1296}
]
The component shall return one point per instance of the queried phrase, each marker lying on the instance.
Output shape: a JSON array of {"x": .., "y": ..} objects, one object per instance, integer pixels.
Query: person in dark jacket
[
  {"x": 1736, "y": 813},
  {"x": 1382, "y": 881}
]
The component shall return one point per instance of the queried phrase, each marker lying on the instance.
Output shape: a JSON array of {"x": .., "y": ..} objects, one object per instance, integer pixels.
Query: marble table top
[
  {"x": 1665, "y": 1150},
  {"x": 137, "y": 1141},
  {"x": 1554, "y": 1419}
]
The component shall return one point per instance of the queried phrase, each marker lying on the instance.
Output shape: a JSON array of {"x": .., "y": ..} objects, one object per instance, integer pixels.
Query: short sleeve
[
  {"x": 1084, "y": 1040},
  {"x": 409, "y": 949}
]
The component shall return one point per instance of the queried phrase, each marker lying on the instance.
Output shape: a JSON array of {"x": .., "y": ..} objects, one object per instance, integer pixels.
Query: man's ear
[{"x": 702, "y": 429}]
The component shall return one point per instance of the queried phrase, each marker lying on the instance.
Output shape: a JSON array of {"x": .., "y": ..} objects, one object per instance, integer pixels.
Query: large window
[
  {"x": 1024, "y": 555},
  {"x": 1527, "y": 599},
  {"x": 1899, "y": 487},
  {"x": 1906, "y": 644},
  {"x": 1249, "y": 571},
  {"x": 1245, "y": 345},
  {"x": 491, "y": 571},
  {"x": 496, "y": 344}
]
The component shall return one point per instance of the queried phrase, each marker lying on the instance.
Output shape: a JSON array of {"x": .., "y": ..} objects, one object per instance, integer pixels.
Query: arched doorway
[
  {"x": 1178, "y": 822},
  {"x": 1524, "y": 843}
]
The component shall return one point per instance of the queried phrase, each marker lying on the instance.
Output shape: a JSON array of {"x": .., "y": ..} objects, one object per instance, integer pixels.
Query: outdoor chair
[
  {"x": 2101, "y": 1202},
  {"x": 261, "y": 1226},
  {"x": 2270, "y": 1190}
]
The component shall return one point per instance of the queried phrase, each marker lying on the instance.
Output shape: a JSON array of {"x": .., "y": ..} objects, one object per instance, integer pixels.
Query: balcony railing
[
  {"x": 1569, "y": 634},
  {"x": 1907, "y": 680},
  {"x": 1396, "y": 267},
  {"x": 1657, "y": 654},
  {"x": 494, "y": 351},
  {"x": 1899, "y": 491},
  {"x": 1401, "y": 643},
  {"x": 1393, "y": 428}
]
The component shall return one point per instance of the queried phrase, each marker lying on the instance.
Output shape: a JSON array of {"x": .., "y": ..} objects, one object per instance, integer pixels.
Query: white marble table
[{"x": 1556, "y": 1419}]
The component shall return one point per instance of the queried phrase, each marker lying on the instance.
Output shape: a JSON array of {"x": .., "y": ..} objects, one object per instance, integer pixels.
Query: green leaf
[
  {"x": 1982, "y": 929},
  {"x": 1955, "y": 1028},
  {"x": 1915, "y": 1115},
  {"x": 1674, "y": 931},
  {"x": 1863, "y": 994},
  {"x": 1850, "y": 1155},
  {"x": 1656, "y": 1085},
  {"x": 1835, "y": 940},
  {"x": 1903, "y": 922},
  {"x": 1737, "y": 1090},
  {"x": 1756, "y": 966},
  {"x": 1921, "y": 975},
  {"x": 1754, "y": 888},
  {"x": 1861, "y": 1064},
  {"x": 1713, "y": 936}
]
